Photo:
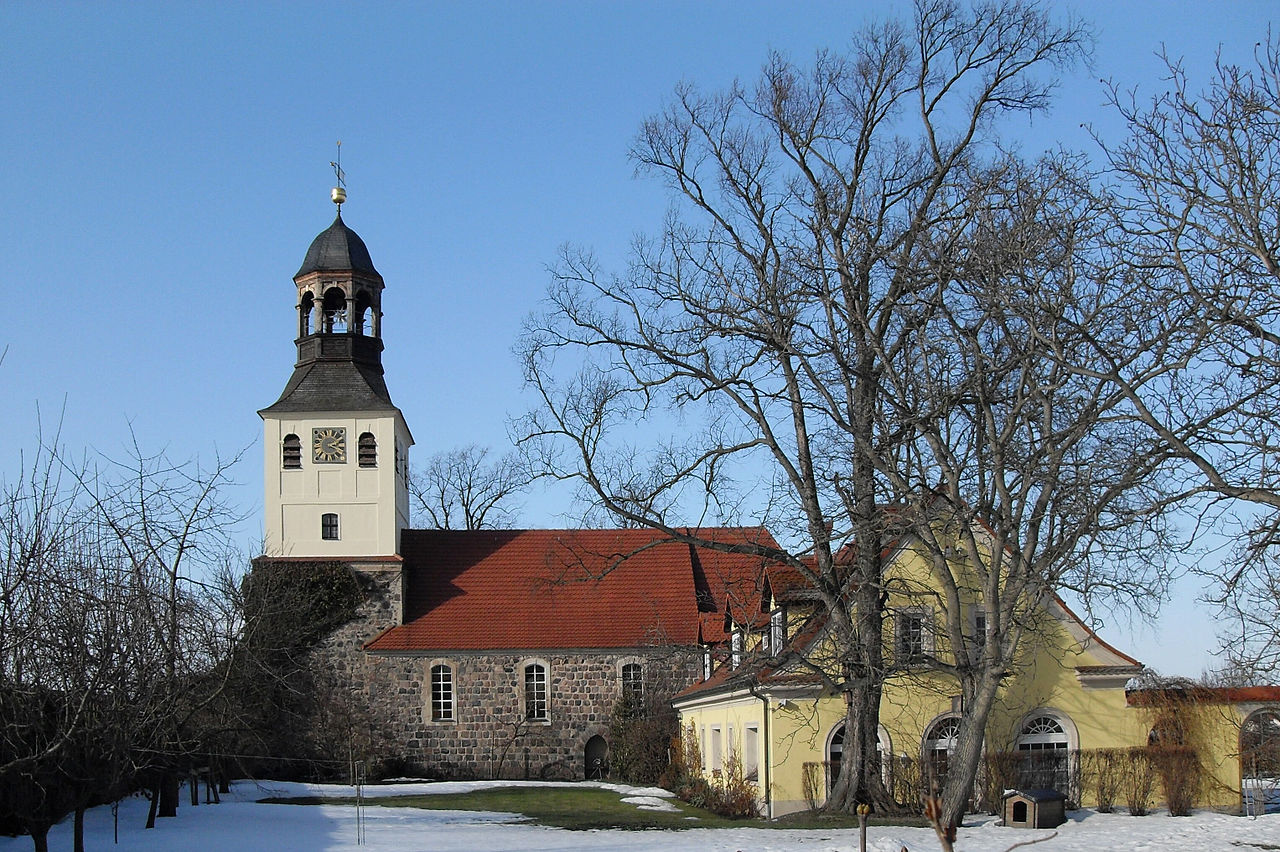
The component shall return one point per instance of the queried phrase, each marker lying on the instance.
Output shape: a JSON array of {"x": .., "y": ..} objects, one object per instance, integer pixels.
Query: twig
[{"x": 1029, "y": 842}]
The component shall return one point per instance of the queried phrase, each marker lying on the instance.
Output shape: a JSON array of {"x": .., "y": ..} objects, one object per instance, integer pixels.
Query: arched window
[
  {"x": 1044, "y": 754},
  {"x": 305, "y": 307},
  {"x": 335, "y": 310},
  {"x": 329, "y": 526},
  {"x": 535, "y": 692},
  {"x": 291, "y": 452},
  {"x": 939, "y": 743},
  {"x": 632, "y": 679},
  {"x": 367, "y": 450},
  {"x": 442, "y": 693},
  {"x": 1260, "y": 745},
  {"x": 363, "y": 320},
  {"x": 835, "y": 754}
]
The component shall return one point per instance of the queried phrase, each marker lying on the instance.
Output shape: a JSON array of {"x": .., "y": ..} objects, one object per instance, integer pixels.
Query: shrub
[
  {"x": 811, "y": 783},
  {"x": 1180, "y": 776},
  {"x": 1139, "y": 781},
  {"x": 907, "y": 780},
  {"x": 729, "y": 795},
  {"x": 640, "y": 740},
  {"x": 1000, "y": 773},
  {"x": 1104, "y": 770}
]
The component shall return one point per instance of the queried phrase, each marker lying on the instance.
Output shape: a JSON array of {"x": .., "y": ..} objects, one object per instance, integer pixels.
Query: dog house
[{"x": 1034, "y": 808}]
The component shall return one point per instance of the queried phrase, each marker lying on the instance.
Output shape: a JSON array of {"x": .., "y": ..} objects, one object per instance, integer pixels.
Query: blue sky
[{"x": 167, "y": 164}]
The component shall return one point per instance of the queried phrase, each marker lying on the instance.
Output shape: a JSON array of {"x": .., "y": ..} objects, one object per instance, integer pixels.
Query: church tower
[{"x": 336, "y": 450}]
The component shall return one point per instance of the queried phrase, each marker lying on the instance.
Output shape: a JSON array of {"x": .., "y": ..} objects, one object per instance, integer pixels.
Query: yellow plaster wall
[{"x": 1044, "y": 679}]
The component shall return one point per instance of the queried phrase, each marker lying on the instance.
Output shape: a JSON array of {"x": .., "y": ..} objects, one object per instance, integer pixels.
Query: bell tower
[{"x": 336, "y": 449}]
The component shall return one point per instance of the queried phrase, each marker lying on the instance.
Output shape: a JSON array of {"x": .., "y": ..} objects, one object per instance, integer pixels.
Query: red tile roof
[
  {"x": 545, "y": 589},
  {"x": 1145, "y": 697}
]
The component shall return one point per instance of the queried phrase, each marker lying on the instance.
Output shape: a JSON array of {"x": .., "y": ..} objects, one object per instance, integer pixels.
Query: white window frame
[
  {"x": 623, "y": 683},
  {"x": 978, "y": 629},
  {"x": 777, "y": 631},
  {"x": 903, "y": 654},
  {"x": 544, "y": 717},
  {"x": 751, "y": 751},
  {"x": 441, "y": 706}
]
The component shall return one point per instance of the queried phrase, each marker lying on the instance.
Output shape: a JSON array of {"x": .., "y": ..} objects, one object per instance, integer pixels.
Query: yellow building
[{"x": 1068, "y": 715}]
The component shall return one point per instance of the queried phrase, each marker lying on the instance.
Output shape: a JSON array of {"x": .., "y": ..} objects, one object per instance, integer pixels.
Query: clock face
[{"x": 329, "y": 445}]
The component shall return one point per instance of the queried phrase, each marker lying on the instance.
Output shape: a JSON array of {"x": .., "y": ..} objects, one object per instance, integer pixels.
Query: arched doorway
[
  {"x": 596, "y": 763},
  {"x": 1260, "y": 761},
  {"x": 939, "y": 743},
  {"x": 1044, "y": 747},
  {"x": 835, "y": 754}
]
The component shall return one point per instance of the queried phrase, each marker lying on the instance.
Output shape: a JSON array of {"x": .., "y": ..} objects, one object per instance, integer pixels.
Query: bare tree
[
  {"x": 110, "y": 640},
  {"x": 464, "y": 489},
  {"x": 1041, "y": 483},
  {"x": 1186, "y": 327},
  {"x": 761, "y": 332}
]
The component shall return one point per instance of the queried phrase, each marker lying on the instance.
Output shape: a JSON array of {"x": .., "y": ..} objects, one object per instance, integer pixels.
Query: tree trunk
[
  {"x": 77, "y": 840},
  {"x": 155, "y": 801},
  {"x": 193, "y": 779},
  {"x": 40, "y": 838},
  {"x": 861, "y": 781},
  {"x": 962, "y": 766},
  {"x": 169, "y": 789}
]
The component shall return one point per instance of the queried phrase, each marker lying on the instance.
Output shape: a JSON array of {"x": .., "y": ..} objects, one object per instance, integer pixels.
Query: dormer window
[
  {"x": 777, "y": 631},
  {"x": 291, "y": 452},
  {"x": 735, "y": 649},
  {"x": 367, "y": 450}
]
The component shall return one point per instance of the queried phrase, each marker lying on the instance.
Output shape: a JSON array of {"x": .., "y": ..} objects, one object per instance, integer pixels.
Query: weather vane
[{"x": 339, "y": 192}]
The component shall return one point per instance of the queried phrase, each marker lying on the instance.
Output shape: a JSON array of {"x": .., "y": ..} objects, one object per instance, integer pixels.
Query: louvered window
[
  {"x": 291, "y": 454},
  {"x": 368, "y": 450}
]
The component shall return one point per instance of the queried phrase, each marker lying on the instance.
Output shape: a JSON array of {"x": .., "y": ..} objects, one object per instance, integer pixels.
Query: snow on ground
[{"x": 242, "y": 825}]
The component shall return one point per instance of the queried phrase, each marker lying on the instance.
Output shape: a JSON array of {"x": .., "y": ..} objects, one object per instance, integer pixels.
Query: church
[
  {"x": 476, "y": 654},
  {"x": 503, "y": 653}
]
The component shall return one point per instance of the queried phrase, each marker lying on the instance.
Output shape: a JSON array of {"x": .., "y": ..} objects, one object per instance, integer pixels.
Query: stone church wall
[{"x": 489, "y": 736}]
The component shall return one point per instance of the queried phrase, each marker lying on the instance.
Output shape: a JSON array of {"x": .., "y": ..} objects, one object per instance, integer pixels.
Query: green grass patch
[
  {"x": 585, "y": 808},
  {"x": 576, "y": 808}
]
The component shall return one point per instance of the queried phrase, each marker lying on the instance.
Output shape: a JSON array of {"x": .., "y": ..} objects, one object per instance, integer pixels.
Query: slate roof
[
  {"x": 337, "y": 249},
  {"x": 333, "y": 386},
  {"x": 490, "y": 590}
]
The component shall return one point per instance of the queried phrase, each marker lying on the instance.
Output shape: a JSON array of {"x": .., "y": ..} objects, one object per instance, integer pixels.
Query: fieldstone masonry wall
[{"x": 489, "y": 736}]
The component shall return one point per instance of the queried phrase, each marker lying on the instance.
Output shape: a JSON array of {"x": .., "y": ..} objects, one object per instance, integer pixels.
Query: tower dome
[{"x": 337, "y": 249}]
